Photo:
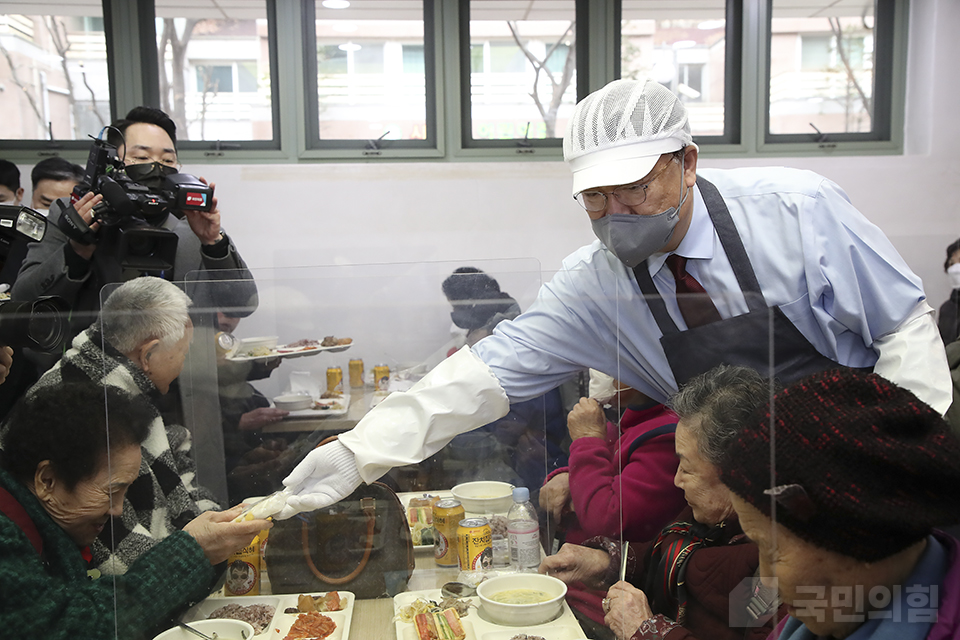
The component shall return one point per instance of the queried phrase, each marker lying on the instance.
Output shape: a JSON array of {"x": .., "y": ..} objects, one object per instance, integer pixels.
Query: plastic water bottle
[{"x": 523, "y": 532}]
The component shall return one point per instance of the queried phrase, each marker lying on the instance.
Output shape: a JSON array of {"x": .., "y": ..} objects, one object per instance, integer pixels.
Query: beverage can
[
  {"x": 474, "y": 544},
  {"x": 356, "y": 373},
  {"x": 381, "y": 377},
  {"x": 334, "y": 379},
  {"x": 243, "y": 571},
  {"x": 447, "y": 515}
]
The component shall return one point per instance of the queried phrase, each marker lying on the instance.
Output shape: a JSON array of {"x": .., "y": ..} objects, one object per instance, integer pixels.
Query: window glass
[
  {"x": 370, "y": 80},
  {"x": 53, "y": 67},
  {"x": 215, "y": 70},
  {"x": 822, "y": 67},
  {"x": 523, "y": 76},
  {"x": 683, "y": 46}
]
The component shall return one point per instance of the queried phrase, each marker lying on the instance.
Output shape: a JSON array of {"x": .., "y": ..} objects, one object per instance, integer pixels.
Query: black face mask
[{"x": 152, "y": 175}]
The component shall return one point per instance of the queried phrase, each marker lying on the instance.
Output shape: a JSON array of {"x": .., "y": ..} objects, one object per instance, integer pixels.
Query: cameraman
[{"x": 76, "y": 271}]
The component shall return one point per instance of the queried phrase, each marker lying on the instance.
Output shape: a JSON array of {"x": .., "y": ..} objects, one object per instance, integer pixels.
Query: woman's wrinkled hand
[
  {"x": 219, "y": 537},
  {"x": 586, "y": 420},
  {"x": 555, "y": 496},
  {"x": 574, "y": 563},
  {"x": 626, "y": 608}
]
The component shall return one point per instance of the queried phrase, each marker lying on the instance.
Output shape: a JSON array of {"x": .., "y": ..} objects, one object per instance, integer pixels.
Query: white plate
[
  {"x": 548, "y": 633},
  {"x": 295, "y": 352},
  {"x": 564, "y": 627},
  {"x": 338, "y": 407},
  {"x": 281, "y": 622}
]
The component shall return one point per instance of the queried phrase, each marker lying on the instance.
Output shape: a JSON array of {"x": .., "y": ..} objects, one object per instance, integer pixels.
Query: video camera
[
  {"x": 40, "y": 324},
  {"x": 127, "y": 209}
]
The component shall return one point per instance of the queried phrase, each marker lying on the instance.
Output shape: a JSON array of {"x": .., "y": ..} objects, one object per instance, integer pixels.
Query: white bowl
[
  {"x": 225, "y": 630},
  {"x": 293, "y": 402},
  {"x": 521, "y": 614},
  {"x": 484, "y": 496}
]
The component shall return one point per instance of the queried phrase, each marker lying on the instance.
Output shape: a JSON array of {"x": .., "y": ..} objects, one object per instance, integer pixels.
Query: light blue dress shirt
[{"x": 832, "y": 272}]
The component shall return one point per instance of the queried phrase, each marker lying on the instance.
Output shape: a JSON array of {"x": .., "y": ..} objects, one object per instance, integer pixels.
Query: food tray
[
  {"x": 563, "y": 627},
  {"x": 281, "y": 622},
  {"x": 405, "y": 500},
  {"x": 294, "y": 352},
  {"x": 339, "y": 407}
]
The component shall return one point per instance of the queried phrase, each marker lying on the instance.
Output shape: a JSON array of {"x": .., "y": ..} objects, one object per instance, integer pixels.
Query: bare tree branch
[
  {"x": 549, "y": 113},
  {"x": 23, "y": 87},
  {"x": 845, "y": 60}
]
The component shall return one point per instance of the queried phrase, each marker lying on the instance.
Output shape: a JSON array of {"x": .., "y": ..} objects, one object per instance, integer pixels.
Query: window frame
[
  {"x": 343, "y": 149},
  {"x": 133, "y": 75}
]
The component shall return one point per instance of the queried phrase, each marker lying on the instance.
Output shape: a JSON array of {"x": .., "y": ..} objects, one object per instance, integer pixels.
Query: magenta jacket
[{"x": 603, "y": 477}]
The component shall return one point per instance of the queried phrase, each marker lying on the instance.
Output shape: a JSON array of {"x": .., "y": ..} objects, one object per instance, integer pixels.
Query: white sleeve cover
[
  {"x": 458, "y": 395},
  {"x": 914, "y": 358}
]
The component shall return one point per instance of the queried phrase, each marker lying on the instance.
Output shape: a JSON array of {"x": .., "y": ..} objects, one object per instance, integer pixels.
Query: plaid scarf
[
  {"x": 165, "y": 496},
  {"x": 669, "y": 554}
]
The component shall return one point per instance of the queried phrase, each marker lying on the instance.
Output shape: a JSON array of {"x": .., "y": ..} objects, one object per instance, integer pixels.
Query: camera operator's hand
[
  {"x": 84, "y": 207},
  {"x": 6, "y": 361},
  {"x": 206, "y": 224}
]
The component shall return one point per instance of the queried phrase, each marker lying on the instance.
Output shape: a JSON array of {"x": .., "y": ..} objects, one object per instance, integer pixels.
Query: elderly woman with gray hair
[
  {"x": 138, "y": 345},
  {"x": 693, "y": 580}
]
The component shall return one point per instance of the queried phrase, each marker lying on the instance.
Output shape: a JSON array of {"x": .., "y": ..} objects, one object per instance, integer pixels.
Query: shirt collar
[{"x": 697, "y": 243}]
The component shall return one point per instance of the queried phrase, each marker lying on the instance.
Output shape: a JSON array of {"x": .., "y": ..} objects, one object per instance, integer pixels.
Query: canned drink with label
[
  {"x": 474, "y": 542},
  {"x": 356, "y": 373},
  {"x": 381, "y": 377},
  {"x": 447, "y": 515},
  {"x": 243, "y": 571},
  {"x": 334, "y": 379}
]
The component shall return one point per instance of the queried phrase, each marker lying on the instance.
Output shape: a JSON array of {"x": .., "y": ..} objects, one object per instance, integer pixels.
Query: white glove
[
  {"x": 913, "y": 357},
  {"x": 326, "y": 475},
  {"x": 459, "y": 394}
]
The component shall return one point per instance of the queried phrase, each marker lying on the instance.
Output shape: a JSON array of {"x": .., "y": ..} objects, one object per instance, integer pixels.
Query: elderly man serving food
[
  {"x": 845, "y": 517},
  {"x": 70, "y": 454},
  {"x": 680, "y": 584}
]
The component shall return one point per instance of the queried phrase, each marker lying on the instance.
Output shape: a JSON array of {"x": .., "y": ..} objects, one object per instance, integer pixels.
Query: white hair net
[{"x": 617, "y": 133}]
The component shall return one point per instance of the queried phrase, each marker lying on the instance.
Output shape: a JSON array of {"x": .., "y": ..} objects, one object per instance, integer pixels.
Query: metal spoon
[
  {"x": 183, "y": 625},
  {"x": 623, "y": 561}
]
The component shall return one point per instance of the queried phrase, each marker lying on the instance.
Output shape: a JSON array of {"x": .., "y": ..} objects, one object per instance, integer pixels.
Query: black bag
[{"x": 361, "y": 544}]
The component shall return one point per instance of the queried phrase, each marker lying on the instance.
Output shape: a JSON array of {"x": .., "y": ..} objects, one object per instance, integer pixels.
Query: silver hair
[
  {"x": 142, "y": 309},
  {"x": 717, "y": 404}
]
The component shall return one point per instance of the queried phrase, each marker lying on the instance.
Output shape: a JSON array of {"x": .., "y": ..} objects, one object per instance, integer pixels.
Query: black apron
[{"x": 763, "y": 339}]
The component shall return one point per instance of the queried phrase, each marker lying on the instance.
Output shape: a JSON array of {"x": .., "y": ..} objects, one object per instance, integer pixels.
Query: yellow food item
[{"x": 521, "y": 596}]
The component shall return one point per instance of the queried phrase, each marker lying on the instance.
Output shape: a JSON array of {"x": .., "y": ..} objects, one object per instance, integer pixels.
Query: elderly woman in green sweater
[{"x": 65, "y": 467}]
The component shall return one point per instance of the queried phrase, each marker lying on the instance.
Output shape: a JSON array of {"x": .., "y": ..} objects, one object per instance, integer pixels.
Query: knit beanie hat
[
  {"x": 477, "y": 300},
  {"x": 863, "y": 468}
]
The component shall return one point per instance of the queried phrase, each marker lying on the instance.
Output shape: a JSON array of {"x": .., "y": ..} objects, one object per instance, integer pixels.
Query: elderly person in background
[
  {"x": 682, "y": 584},
  {"x": 70, "y": 453},
  {"x": 864, "y": 472},
  {"x": 620, "y": 480},
  {"x": 138, "y": 345}
]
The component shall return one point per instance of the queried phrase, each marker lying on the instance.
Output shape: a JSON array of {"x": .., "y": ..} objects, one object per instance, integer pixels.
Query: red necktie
[{"x": 695, "y": 305}]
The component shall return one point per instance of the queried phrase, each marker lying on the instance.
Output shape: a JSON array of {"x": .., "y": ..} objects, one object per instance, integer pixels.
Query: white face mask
[
  {"x": 954, "y": 274},
  {"x": 44, "y": 212}
]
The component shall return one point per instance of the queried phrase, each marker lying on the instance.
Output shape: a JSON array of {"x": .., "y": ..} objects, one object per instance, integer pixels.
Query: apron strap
[{"x": 732, "y": 245}]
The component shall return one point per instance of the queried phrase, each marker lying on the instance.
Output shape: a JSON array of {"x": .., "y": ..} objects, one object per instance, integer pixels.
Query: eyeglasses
[{"x": 630, "y": 195}]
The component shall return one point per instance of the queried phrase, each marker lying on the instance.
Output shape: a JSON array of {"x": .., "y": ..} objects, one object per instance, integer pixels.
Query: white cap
[{"x": 617, "y": 133}]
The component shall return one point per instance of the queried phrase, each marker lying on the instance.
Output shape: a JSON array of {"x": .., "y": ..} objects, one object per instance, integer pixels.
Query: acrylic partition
[{"x": 267, "y": 377}]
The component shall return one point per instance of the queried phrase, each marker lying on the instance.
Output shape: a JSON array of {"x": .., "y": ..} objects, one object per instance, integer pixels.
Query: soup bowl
[
  {"x": 484, "y": 496},
  {"x": 521, "y": 614}
]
